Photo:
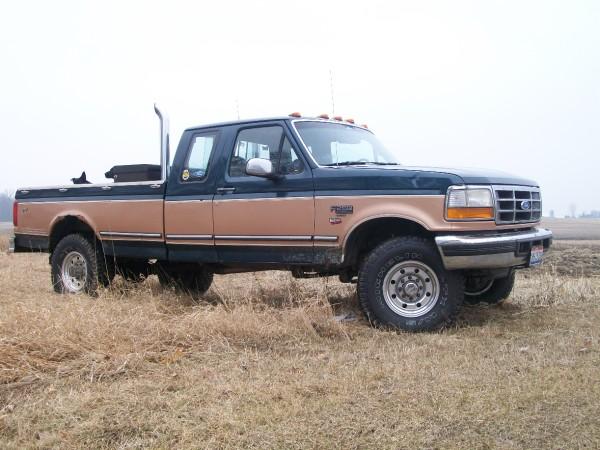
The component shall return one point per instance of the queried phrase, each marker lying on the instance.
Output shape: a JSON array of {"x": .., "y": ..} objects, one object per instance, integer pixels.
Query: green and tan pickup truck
[{"x": 312, "y": 195}]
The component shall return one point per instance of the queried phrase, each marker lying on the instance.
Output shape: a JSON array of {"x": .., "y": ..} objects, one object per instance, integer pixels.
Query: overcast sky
[{"x": 511, "y": 85}]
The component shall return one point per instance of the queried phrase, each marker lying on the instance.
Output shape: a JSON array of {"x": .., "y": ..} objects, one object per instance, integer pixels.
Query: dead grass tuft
[
  {"x": 549, "y": 288},
  {"x": 128, "y": 326},
  {"x": 578, "y": 259}
]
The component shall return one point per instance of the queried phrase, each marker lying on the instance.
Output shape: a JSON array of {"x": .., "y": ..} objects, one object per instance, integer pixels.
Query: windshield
[{"x": 333, "y": 144}]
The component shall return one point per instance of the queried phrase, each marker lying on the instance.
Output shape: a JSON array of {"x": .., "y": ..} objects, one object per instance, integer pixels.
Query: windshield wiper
[{"x": 360, "y": 163}]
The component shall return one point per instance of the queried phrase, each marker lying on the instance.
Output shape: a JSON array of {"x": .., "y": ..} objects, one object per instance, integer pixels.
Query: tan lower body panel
[
  {"x": 189, "y": 222},
  {"x": 426, "y": 210},
  {"x": 270, "y": 222},
  {"x": 127, "y": 219}
]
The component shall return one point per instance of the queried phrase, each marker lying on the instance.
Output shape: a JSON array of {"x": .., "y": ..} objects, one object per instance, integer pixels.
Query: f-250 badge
[
  {"x": 342, "y": 210},
  {"x": 339, "y": 210}
]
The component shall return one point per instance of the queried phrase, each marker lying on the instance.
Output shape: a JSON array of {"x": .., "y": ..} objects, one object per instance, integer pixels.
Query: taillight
[{"x": 16, "y": 214}]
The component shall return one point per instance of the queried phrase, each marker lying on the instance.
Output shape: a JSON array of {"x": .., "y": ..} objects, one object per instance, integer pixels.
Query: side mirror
[{"x": 259, "y": 167}]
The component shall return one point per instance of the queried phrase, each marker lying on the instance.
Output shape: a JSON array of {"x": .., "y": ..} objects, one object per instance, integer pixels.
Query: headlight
[{"x": 469, "y": 203}]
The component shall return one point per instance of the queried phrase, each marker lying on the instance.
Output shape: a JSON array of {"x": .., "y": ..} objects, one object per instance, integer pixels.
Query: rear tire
[
  {"x": 192, "y": 280},
  {"x": 403, "y": 284},
  {"x": 133, "y": 270},
  {"x": 496, "y": 292},
  {"x": 74, "y": 266}
]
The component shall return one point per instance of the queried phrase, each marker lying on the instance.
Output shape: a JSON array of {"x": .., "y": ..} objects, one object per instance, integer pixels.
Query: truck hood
[
  {"x": 474, "y": 176},
  {"x": 405, "y": 180}
]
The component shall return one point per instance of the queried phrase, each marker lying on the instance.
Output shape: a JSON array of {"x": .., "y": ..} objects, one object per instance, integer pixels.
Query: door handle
[
  {"x": 106, "y": 188},
  {"x": 225, "y": 190},
  {"x": 155, "y": 186}
]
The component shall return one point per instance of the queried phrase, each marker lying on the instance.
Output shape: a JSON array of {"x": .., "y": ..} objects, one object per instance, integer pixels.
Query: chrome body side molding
[
  {"x": 325, "y": 238},
  {"x": 263, "y": 238},
  {"x": 190, "y": 237},
  {"x": 121, "y": 234}
]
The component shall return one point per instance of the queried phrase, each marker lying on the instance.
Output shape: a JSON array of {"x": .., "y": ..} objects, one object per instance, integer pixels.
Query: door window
[
  {"x": 289, "y": 163},
  {"x": 266, "y": 143}
]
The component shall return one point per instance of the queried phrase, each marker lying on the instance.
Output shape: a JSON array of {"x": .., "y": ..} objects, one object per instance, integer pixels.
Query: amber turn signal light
[{"x": 470, "y": 213}]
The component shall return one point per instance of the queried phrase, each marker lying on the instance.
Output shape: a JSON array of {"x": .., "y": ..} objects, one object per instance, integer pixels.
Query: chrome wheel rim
[
  {"x": 74, "y": 272},
  {"x": 411, "y": 289}
]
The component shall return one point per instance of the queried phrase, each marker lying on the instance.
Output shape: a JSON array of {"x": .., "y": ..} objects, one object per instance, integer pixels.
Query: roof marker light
[
  {"x": 338, "y": 118},
  {"x": 324, "y": 116},
  {"x": 364, "y": 125},
  {"x": 295, "y": 114},
  {"x": 350, "y": 120}
]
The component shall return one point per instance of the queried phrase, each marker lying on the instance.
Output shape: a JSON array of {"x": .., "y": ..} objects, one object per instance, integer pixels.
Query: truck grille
[{"x": 517, "y": 204}]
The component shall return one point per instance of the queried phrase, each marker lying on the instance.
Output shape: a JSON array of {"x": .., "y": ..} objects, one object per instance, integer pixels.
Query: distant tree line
[
  {"x": 593, "y": 214},
  {"x": 6, "y": 205}
]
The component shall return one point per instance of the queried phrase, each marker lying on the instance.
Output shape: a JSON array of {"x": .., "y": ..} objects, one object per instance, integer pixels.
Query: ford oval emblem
[{"x": 526, "y": 205}]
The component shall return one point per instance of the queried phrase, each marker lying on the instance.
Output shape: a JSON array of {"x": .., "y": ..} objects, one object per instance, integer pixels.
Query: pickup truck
[{"x": 312, "y": 195}]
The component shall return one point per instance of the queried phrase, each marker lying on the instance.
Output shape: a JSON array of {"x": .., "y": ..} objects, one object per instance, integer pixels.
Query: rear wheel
[
  {"x": 74, "y": 266},
  {"x": 133, "y": 270},
  {"x": 192, "y": 280},
  {"x": 492, "y": 291},
  {"x": 403, "y": 284}
]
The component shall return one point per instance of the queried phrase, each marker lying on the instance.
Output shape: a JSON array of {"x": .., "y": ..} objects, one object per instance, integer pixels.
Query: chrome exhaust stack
[{"x": 164, "y": 142}]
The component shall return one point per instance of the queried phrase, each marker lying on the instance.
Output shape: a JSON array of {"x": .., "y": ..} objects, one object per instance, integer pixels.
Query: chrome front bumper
[{"x": 491, "y": 251}]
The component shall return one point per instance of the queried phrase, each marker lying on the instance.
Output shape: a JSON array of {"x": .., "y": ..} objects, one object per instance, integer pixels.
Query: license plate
[{"x": 537, "y": 254}]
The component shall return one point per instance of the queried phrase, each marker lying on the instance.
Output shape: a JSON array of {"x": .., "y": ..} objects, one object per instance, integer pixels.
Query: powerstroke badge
[{"x": 342, "y": 210}]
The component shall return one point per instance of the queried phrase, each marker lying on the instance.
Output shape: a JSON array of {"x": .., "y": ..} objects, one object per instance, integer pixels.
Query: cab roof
[
  {"x": 272, "y": 119},
  {"x": 243, "y": 121}
]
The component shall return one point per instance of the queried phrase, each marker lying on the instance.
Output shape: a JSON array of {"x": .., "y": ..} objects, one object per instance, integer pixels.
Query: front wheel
[{"x": 403, "y": 284}]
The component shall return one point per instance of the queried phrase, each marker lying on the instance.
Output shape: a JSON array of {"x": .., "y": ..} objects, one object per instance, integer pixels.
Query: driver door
[{"x": 261, "y": 220}]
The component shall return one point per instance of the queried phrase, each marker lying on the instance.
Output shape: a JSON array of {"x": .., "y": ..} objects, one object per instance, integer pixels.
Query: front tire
[
  {"x": 403, "y": 284},
  {"x": 74, "y": 266}
]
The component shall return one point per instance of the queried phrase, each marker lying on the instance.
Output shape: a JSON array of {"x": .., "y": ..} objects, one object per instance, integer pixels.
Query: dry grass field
[
  {"x": 574, "y": 229},
  {"x": 265, "y": 362}
]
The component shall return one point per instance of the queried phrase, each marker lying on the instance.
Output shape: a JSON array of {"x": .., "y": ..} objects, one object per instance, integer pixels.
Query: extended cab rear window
[{"x": 198, "y": 158}]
